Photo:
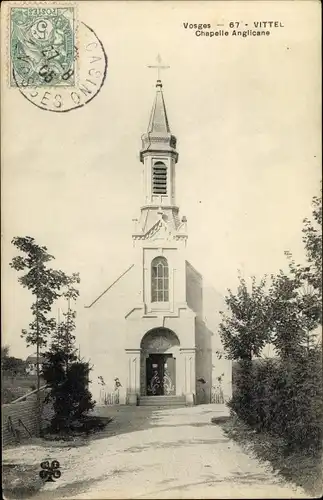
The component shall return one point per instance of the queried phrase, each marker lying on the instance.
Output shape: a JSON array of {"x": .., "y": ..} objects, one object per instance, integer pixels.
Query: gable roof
[{"x": 110, "y": 286}]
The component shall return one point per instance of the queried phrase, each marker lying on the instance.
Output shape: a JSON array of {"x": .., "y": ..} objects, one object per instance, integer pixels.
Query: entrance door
[
  {"x": 160, "y": 374},
  {"x": 155, "y": 374},
  {"x": 169, "y": 375}
]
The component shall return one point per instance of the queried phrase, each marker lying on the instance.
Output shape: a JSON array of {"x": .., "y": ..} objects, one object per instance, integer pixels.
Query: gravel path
[{"x": 155, "y": 453}]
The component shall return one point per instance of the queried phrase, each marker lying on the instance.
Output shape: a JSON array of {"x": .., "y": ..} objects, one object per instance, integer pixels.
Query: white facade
[{"x": 161, "y": 344}]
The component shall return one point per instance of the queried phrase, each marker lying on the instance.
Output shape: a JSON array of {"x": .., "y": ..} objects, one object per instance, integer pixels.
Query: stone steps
[{"x": 162, "y": 401}]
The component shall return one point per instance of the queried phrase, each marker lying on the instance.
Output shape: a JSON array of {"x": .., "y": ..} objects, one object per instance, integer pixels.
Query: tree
[
  {"x": 10, "y": 365},
  {"x": 67, "y": 376},
  {"x": 4, "y": 351},
  {"x": 13, "y": 366},
  {"x": 312, "y": 238},
  {"x": 245, "y": 329},
  {"x": 289, "y": 326},
  {"x": 45, "y": 284},
  {"x": 312, "y": 274},
  {"x": 282, "y": 395},
  {"x": 63, "y": 339},
  {"x": 296, "y": 297}
]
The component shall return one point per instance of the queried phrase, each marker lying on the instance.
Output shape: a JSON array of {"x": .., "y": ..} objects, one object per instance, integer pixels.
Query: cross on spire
[{"x": 159, "y": 66}]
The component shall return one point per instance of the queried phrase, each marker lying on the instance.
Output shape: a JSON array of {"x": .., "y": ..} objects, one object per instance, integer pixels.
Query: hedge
[{"x": 282, "y": 397}]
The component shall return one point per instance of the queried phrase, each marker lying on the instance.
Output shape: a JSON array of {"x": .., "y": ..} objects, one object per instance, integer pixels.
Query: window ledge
[{"x": 159, "y": 306}]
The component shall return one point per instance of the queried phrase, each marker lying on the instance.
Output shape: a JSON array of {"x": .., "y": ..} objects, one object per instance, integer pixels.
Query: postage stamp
[
  {"x": 92, "y": 70},
  {"x": 42, "y": 46}
]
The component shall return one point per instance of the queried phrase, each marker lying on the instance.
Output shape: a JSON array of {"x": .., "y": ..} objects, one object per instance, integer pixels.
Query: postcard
[{"x": 161, "y": 249}]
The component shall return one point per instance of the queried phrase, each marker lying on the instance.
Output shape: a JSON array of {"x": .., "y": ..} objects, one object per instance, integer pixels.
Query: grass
[
  {"x": 20, "y": 481},
  {"x": 303, "y": 468},
  {"x": 17, "y": 386}
]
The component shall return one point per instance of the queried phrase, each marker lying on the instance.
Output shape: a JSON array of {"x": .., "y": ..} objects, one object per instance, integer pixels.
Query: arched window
[
  {"x": 159, "y": 280},
  {"x": 159, "y": 178}
]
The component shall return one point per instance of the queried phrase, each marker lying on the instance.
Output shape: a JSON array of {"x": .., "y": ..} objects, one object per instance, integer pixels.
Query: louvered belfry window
[
  {"x": 159, "y": 280},
  {"x": 159, "y": 178}
]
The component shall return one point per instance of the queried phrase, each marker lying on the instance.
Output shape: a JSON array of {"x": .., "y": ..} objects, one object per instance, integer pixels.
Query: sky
[{"x": 246, "y": 114}]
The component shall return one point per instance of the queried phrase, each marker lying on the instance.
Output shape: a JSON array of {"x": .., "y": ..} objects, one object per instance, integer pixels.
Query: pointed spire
[
  {"x": 158, "y": 136},
  {"x": 158, "y": 118}
]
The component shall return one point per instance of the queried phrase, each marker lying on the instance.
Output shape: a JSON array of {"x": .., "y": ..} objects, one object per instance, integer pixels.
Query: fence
[
  {"x": 113, "y": 398},
  {"x": 217, "y": 395},
  {"x": 18, "y": 417},
  {"x": 109, "y": 398}
]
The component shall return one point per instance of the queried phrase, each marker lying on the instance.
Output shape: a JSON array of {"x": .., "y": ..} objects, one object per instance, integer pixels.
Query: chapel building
[{"x": 161, "y": 347}]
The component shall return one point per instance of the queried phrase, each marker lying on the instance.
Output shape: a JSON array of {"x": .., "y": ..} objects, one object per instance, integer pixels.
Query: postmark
[
  {"x": 92, "y": 63},
  {"x": 42, "y": 46}
]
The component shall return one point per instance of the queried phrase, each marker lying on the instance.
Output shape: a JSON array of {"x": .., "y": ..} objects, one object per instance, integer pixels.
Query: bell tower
[{"x": 159, "y": 157}]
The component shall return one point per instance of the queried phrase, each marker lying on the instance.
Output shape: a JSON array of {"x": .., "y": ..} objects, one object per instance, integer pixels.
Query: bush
[
  {"x": 283, "y": 398},
  {"x": 68, "y": 390}
]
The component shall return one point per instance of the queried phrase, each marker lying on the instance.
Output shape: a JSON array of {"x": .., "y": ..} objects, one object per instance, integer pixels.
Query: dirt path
[{"x": 146, "y": 453}]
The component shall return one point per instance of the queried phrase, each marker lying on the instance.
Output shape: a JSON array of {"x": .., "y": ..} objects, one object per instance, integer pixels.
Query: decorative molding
[
  {"x": 154, "y": 151},
  {"x": 159, "y": 340},
  {"x": 180, "y": 237},
  {"x": 139, "y": 307},
  {"x": 173, "y": 312},
  {"x": 155, "y": 138},
  {"x": 164, "y": 207},
  {"x": 158, "y": 344},
  {"x": 160, "y": 230},
  {"x": 188, "y": 350},
  {"x": 167, "y": 235}
]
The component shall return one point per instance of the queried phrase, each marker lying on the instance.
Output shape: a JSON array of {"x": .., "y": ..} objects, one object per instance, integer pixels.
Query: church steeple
[
  {"x": 159, "y": 157},
  {"x": 158, "y": 136},
  {"x": 158, "y": 119}
]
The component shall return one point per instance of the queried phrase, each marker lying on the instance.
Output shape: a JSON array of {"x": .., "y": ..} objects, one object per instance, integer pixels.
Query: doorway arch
[{"x": 159, "y": 351}]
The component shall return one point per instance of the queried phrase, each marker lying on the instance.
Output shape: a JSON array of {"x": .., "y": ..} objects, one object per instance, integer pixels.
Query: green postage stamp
[{"x": 42, "y": 46}]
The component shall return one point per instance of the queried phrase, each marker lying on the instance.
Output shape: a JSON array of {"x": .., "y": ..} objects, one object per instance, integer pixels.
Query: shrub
[
  {"x": 68, "y": 390},
  {"x": 284, "y": 398}
]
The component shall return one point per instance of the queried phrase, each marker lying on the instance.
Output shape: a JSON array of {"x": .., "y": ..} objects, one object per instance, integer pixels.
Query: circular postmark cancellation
[{"x": 61, "y": 87}]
